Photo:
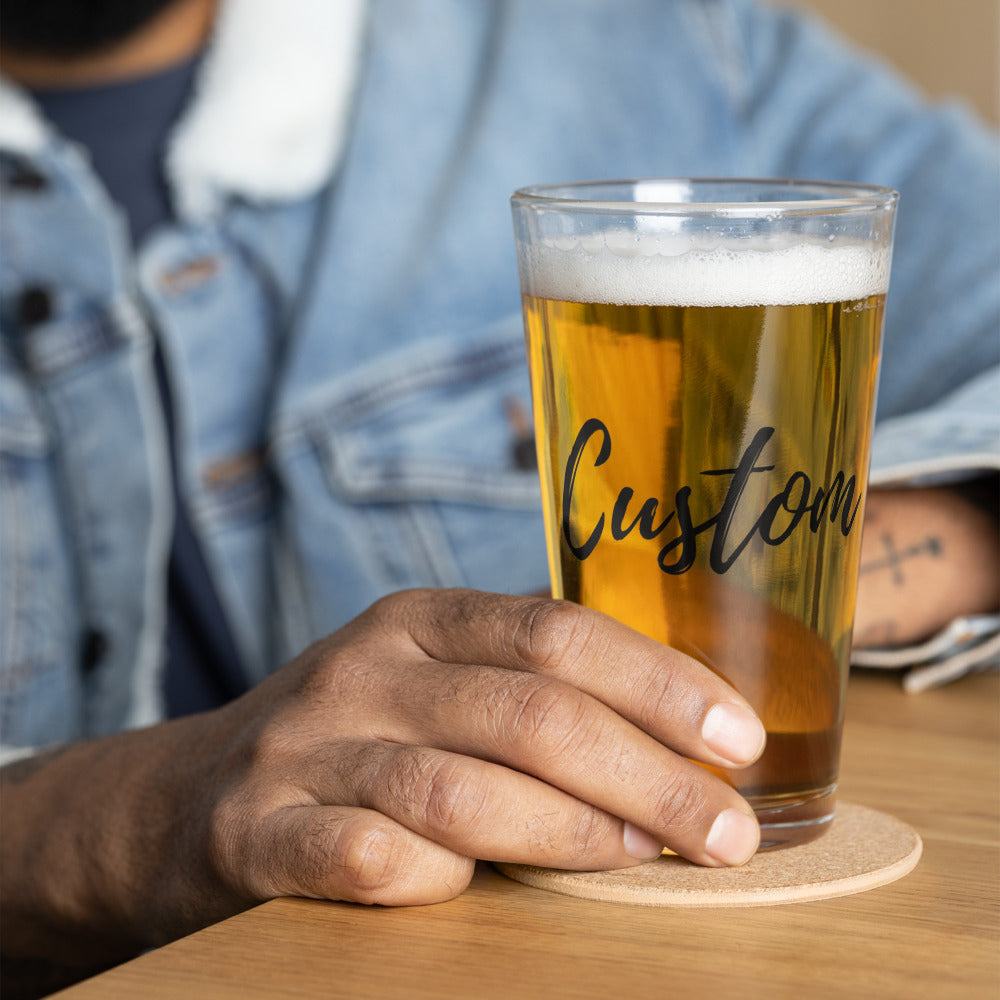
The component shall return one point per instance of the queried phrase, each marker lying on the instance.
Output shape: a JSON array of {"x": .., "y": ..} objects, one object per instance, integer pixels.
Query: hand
[
  {"x": 437, "y": 728},
  {"x": 441, "y": 727},
  {"x": 927, "y": 556}
]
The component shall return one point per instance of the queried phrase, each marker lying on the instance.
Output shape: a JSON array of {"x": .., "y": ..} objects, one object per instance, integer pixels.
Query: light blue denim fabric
[{"x": 346, "y": 365}]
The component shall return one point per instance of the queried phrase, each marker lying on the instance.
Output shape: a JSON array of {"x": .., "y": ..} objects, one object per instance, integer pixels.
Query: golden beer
[{"x": 703, "y": 432}]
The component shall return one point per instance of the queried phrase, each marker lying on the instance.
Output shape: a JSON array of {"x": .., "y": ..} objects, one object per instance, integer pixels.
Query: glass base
[{"x": 788, "y": 822}]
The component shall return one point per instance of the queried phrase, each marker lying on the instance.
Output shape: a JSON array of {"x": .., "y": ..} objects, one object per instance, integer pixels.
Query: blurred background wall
[{"x": 949, "y": 47}]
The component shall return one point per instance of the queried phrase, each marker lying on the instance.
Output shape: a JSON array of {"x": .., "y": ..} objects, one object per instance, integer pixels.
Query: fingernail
[
  {"x": 640, "y": 845},
  {"x": 733, "y": 838},
  {"x": 733, "y": 732}
]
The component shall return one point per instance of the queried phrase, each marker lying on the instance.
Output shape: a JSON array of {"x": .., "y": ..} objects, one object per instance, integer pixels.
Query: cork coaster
[{"x": 863, "y": 849}]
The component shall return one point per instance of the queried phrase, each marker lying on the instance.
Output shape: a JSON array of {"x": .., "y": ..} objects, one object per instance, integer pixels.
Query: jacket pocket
[{"x": 421, "y": 474}]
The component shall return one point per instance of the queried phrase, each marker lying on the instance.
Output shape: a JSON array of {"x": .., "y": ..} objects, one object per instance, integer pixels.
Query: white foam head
[{"x": 628, "y": 268}]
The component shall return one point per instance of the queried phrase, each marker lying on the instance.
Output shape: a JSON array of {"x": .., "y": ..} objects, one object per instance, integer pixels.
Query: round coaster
[{"x": 863, "y": 849}]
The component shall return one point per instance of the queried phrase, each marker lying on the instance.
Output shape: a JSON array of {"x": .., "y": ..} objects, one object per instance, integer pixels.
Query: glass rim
[{"x": 816, "y": 197}]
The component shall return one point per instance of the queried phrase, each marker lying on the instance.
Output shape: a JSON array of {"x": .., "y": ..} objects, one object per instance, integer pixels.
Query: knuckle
[
  {"x": 551, "y": 722},
  {"x": 550, "y": 632},
  {"x": 437, "y": 791},
  {"x": 680, "y": 803},
  {"x": 387, "y": 607},
  {"x": 394, "y": 611},
  {"x": 398, "y": 781},
  {"x": 454, "y": 801},
  {"x": 590, "y": 833},
  {"x": 340, "y": 674},
  {"x": 367, "y": 856},
  {"x": 661, "y": 694},
  {"x": 543, "y": 713}
]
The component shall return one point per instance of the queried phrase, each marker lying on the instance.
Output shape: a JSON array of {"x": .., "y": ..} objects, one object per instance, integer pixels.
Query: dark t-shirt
[{"x": 124, "y": 126}]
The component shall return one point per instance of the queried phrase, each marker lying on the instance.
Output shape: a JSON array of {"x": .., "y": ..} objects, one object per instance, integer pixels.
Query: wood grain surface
[{"x": 929, "y": 759}]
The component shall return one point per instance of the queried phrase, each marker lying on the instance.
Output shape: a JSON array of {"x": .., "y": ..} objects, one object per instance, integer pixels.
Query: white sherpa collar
[
  {"x": 22, "y": 128},
  {"x": 271, "y": 108},
  {"x": 274, "y": 93}
]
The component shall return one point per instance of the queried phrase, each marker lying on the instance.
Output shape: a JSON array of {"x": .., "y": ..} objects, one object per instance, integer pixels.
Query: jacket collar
[{"x": 270, "y": 112}]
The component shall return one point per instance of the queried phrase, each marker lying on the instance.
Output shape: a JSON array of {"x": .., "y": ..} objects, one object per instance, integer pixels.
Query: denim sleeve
[{"x": 811, "y": 106}]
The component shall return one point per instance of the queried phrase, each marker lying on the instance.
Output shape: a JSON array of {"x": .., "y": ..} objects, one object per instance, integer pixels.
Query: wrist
[{"x": 100, "y": 846}]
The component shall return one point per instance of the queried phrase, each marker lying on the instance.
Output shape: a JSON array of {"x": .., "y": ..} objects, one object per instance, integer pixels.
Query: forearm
[
  {"x": 99, "y": 855},
  {"x": 928, "y": 556}
]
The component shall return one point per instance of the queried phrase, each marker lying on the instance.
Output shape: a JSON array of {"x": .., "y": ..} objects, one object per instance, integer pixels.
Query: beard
[{"x": 72, "y": 27}]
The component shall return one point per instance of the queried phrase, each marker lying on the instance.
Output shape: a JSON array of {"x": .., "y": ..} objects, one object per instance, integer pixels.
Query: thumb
[{"x": 346, "y": 853}]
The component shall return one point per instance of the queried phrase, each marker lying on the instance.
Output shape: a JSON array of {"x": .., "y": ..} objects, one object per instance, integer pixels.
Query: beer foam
[{"x": 626, "y": 268}]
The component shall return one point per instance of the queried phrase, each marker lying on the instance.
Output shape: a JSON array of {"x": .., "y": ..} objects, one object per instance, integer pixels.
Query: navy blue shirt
[{"x": 124, "y": 126}]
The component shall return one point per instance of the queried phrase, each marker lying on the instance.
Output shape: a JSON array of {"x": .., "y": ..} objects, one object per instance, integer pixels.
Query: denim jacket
[{"x": 338, "y": 306}]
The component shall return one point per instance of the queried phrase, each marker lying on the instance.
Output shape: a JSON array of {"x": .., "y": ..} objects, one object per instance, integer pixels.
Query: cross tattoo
[{"x": 893, "y": 556}]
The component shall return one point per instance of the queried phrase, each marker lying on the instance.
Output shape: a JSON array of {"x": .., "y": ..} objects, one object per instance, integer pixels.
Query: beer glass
[{"x": 704, "y": 360}]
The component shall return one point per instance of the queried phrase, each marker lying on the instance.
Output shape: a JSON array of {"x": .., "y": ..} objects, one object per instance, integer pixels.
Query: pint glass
[{"x": 704, "y": 360}]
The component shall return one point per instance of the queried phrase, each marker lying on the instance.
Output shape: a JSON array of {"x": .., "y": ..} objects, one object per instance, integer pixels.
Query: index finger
[{"x": 666, "y": 693}]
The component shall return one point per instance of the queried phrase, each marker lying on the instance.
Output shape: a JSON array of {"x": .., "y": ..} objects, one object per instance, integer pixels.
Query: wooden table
[{"x": 930, "y": 759}]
